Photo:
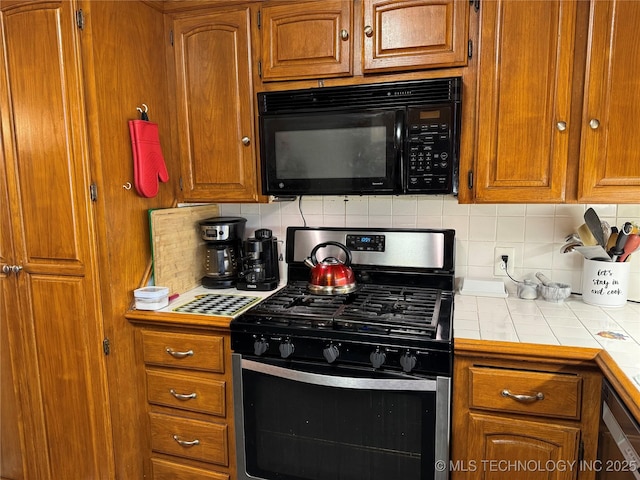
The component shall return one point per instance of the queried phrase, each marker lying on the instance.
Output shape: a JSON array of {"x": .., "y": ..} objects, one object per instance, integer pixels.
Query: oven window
[{"x": 299, "y": 431}]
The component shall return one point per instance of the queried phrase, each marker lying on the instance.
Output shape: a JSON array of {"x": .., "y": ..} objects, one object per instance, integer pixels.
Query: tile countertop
[{"x": 572, "y": 323}]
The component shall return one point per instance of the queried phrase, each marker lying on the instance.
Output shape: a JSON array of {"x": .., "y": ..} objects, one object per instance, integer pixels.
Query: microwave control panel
[{"x": 431, "y": 161}]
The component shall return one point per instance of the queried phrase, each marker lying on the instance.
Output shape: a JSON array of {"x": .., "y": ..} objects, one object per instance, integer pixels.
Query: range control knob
[
  {"x": 408, "y": 361},
  {"x": 260, "y": 346},
  {"x": 330, "y": 353},
  {"x": 286, "y": 349},
  {"x": 377, "y": 358}
]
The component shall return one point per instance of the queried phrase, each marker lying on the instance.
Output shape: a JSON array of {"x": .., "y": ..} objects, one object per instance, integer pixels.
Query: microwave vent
[{"x": 394, "y": 94}]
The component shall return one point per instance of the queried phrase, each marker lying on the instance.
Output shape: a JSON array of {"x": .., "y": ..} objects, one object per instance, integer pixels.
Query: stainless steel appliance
[
  {"x": 260, "y": 269},
  {"x": 618, "y": 441},
  {"x": 223, "y": 250},
  {"x": 353, "y": 386},
  {"x": 389, "y": 138}
]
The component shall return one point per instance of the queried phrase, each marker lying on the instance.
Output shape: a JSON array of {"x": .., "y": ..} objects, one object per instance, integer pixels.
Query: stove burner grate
[{"x": 370, "y": 309}]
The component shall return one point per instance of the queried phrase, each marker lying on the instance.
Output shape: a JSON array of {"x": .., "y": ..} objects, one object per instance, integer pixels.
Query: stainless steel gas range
[{"x": 351, "y": 386}]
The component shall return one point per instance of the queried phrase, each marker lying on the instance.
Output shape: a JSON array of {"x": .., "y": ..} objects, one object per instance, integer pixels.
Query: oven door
[
  {"x": 331, "y": 152},
  {"x": 298, "y": 421}
]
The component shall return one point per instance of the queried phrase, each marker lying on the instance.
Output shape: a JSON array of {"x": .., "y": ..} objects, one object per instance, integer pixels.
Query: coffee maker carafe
[
  {"x": 223, "y": 250},
  {"x": 260, "y": 269}
]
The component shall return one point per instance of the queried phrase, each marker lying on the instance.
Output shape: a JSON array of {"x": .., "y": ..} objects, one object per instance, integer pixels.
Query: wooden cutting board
[{"x": 178, "y": 250}]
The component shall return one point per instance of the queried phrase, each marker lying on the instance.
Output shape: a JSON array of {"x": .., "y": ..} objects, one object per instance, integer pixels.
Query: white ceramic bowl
[{"x": 554, "y": 292}]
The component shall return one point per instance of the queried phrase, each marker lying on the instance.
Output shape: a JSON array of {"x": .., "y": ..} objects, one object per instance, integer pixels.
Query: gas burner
[{"x": 372, "y": 308}]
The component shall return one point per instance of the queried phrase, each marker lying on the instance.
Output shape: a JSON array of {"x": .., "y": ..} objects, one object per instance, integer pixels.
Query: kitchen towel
[{"x": 148, "y": 163}]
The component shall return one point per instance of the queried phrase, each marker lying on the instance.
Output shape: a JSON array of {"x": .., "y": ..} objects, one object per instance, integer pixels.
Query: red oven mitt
[{"x": 148, "y": 162}]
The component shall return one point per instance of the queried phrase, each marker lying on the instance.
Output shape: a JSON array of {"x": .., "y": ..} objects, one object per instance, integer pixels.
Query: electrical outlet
[{"x": 498, "y": 271}]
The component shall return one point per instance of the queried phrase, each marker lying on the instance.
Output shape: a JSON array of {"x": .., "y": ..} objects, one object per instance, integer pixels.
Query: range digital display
[{"x": 366, "y": 243}]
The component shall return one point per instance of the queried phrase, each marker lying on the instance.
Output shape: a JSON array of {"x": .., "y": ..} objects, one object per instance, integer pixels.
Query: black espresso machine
[{"x": 260, "y": 269}]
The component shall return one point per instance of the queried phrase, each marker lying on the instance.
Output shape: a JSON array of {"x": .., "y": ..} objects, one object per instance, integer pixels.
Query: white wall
[{"x": 536, "y": 232}]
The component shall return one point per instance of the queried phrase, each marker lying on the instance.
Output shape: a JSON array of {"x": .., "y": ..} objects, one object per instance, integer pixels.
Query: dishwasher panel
[{"x": 619, "y": 439}]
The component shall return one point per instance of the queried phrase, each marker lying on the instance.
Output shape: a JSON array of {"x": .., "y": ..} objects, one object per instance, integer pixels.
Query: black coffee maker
[
  {"x": 260, "y": 262},
  {"x": 223, "y": 250}
]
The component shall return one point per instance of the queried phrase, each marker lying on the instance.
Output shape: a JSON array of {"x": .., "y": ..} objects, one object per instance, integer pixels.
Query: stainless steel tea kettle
[{"x": 330, "y": 276}]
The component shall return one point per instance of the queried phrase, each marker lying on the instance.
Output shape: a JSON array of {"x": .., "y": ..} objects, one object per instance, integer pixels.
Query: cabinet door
[
  {"x": 409, "y": 35},
  {"x": 56, "y": 332},
  {"x": 523, "y": 100},
  {"x": 610, "y": 154},
  {"x": 503, "y": 448},
  {"x": 215, "y": 107},
  {"x": 11, "y": 438},
  {"x": 307, "y": 40}
]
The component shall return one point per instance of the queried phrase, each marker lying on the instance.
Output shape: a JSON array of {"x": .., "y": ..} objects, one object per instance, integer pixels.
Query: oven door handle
[{"x": 353, "y": 383}]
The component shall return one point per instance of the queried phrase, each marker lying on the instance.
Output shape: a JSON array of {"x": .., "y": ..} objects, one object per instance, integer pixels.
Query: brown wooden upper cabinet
[
  {"x": 215, "y": 107},
  {"x": 317, "y": 39},
  {"x": 527, "y": 102},
  {"x": 416, "y": 34},
  {"x": 610, "y": 148},
  {"x": 307, "y": 39}
]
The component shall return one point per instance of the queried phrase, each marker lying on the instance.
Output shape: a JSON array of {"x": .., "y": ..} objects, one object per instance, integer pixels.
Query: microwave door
[{"x": 331, "y": 153}]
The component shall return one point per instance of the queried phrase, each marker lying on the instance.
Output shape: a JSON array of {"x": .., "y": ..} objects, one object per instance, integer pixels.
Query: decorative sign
[{"x": 605, "y": 283}]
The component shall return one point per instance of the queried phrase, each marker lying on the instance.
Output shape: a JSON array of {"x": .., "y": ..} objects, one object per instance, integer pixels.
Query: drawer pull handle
[
  {"x": 186, "y": 443},
  {"x": 523, "y": 398},
  {"x": 182, "y": 396},
  {"x": 174, "y": 354}
]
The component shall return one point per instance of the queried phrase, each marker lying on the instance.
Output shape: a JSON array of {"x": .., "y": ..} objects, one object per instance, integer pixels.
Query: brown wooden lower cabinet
[
  {"x": 527, "y": 450},
  {"x": 185, "y": 437},
  {"x": 189, "y": 410},
  {"x": 516, "y": 416},
  {"x": 165, "y": 470}
]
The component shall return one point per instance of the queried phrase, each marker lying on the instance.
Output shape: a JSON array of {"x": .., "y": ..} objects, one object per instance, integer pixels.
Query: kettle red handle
[{"x": 335, "y": 244}]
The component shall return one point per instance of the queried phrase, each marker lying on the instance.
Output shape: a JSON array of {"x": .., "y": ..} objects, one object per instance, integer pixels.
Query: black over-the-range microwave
[{"x": 386, "y": 138}]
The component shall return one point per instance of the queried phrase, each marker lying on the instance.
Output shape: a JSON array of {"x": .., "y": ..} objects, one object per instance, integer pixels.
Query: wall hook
[
  {"x": 127, "y": 186},
  {"x": 143, "y": 113}
]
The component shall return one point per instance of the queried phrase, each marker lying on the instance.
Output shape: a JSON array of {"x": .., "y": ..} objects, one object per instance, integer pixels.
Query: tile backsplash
[{"x": 535, "y": 231}]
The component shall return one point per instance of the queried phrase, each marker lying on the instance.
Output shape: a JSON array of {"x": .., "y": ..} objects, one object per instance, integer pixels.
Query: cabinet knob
[
  {"x": 344, "y": 35},
  {"x": 7, "y": 269},
  {"x": 246, "y": 140},
  {"x": 368, "y": 31},
  {"x": 594, "y": 123},
  {"x": 562, "y": 126}
]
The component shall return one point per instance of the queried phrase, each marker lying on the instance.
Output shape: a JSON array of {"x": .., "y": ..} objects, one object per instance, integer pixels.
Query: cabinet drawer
[
  {"x": 163, "y": 470},
  {"x": 533, "y": 393},
  {"x": 201, "y": 352},
  {"x": 199, "y": 392},
  {"x": 189, "y": 438}
]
